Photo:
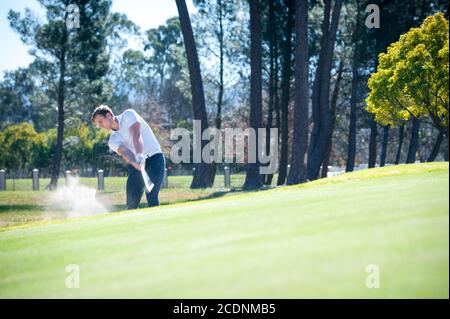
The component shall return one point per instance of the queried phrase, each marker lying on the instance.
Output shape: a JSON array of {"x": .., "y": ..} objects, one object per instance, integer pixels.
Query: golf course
[
  {"x": 310, "y": 240},
  {"x": 24, "y": 206}
]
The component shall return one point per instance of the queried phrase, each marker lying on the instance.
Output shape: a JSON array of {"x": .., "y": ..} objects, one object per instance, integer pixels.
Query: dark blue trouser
[{"x": 154, "y": 167}]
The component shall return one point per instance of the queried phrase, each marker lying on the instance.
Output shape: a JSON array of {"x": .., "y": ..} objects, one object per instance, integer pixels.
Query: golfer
[{"x": 133, "y": 139}]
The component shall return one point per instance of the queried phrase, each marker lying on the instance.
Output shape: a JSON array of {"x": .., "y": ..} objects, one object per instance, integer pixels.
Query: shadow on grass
[
  {"x": 10, "y": 210},
  {"x": 218, "y": 194},
  {"x": 15, "y": 207},
  {"x": 120, "y": 207}
]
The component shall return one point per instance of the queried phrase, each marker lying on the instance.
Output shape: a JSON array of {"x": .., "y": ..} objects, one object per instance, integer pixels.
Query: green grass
[
  {"x": 312, "y": 240},
  {"x": 24, "y": 206}
]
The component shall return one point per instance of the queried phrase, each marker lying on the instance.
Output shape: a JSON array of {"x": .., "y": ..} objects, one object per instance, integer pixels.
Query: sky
[{"x": 145, "y": 13}]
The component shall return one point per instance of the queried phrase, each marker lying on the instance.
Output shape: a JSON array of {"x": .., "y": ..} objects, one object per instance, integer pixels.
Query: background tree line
[{"x": 300, "y": 66}]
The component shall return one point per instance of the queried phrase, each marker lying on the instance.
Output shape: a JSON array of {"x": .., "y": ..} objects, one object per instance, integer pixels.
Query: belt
[{"x": 148, "y": 155}]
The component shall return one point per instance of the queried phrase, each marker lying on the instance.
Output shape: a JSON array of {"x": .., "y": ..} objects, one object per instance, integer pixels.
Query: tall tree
[
  {"x": 436, "y": 147},
  {"x": 222, "y": 26},
  {"x": 285, "y": 92},
  {"x": 297, "y": 173},
  {"x": 159, "y": 42},
  {"x": 334, "y": 99},
  {"x": 271, "y": 28},
  {"x": 70, "y": 59},
  {"x": 253, "y": 178},
  {"x": 61, "y": 56},
  {"x": 88, "y": 56},
  {"x": 384, "y": 145},
  {"x": 396, "y": 93},
  {"x": 414, "y": 141},
  {"x": 373, "y": 143},
  {"x": 220, "y": 48},
  {"x": 51, "y": 39},
  {"x": 357, "y": 48},
  {"x": 321, "y": 89},
  {"x": 203, "y": 176},
  {"x": 401, "y": 134}
]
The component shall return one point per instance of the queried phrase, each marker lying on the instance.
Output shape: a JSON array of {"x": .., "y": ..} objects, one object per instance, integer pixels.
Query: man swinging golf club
[{"x": 133, "y": 139}]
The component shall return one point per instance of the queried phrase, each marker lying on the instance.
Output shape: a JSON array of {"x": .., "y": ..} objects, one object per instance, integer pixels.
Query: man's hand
[
  {"x": 136, "y": 166},
  {"x": 129, "y": 157},
  {"x": 140, "y": 158}
]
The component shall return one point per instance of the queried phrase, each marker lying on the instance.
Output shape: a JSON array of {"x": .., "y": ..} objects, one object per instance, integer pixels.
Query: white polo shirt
[{"x": 123, "y": 135}]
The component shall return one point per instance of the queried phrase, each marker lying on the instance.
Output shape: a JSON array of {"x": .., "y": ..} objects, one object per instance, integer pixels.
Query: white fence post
[
  {"x": 101, "y": 180},
  {"x": 35, "y": 179},
  {"x": 68, "y": 178},
  {"x": 2, "y": 180},
  {"x": 165, "y": 181},
  {"x": 226, "y": 177}
]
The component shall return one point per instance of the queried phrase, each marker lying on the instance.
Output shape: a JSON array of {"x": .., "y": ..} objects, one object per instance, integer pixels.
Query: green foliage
[
  {"x": 22, "y": 148},
  {"x": 84, "y": 146},
  {"x": 15, "y": 89},
  {"x": 41, "y": 150},
  {"x": 413, "y": 76},
  {"x": 87, "y": 52},
  {"x": 166, "y": 65},
  {"x": 160, "y": 43},
  {"x": 222, "y": 34}
]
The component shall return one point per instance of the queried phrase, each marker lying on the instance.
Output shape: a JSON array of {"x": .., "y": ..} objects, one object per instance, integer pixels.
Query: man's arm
[
  {"x": 128, "y": 156},
  {"x": 135, "y": 131}
]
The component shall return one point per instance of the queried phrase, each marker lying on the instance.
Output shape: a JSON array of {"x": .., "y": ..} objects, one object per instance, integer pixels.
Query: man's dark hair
[{"x": 101, "y": 110}]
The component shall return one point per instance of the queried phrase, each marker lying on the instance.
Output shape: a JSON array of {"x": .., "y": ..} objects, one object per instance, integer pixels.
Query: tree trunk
[
  {"x": 297, "y": 173},
  {"x": 351, "y": 146},
  {"x": 285, "y": 87},
  {"x": 351, "y": 151},
  {"x": 253, "y": 178},
  {"x": 161, "y": 76},
  {"x": 221, "y": 84},
  {"x": 373, "y": 143},
  {"x": 316, "y": 117},
  {"x": 321, "y": 91},
  {"x": 414, "y": 141},
  {"x": 401, "y": 134},
  {"x": 221, "y": 58},
  {"x": 384, "y": 147},
  {"x": 61, "y": 97},
  {"x": 437, "y": 146},
  {"x": 203, "y": 174},
  {"x": 334, "y": 98},
  {"x": 276, "y": 104},
  {"x": 276, "y": 89},
  {"x": 446, "y": 147},
  {"x": 272, "y": 75},
  {"x": 277, "y": 99}
]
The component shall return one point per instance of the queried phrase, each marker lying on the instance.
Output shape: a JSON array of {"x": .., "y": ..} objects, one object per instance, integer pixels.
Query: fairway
[
  {"x": 24, "y": 206},
  {"x": 310, "y": 240}
]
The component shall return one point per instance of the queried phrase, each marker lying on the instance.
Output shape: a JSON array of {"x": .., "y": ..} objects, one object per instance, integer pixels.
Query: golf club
[{"x": 148, "y": 183}]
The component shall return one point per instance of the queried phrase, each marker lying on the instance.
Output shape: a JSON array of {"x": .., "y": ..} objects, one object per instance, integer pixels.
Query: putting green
[{"x": 313, "y": 240}]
